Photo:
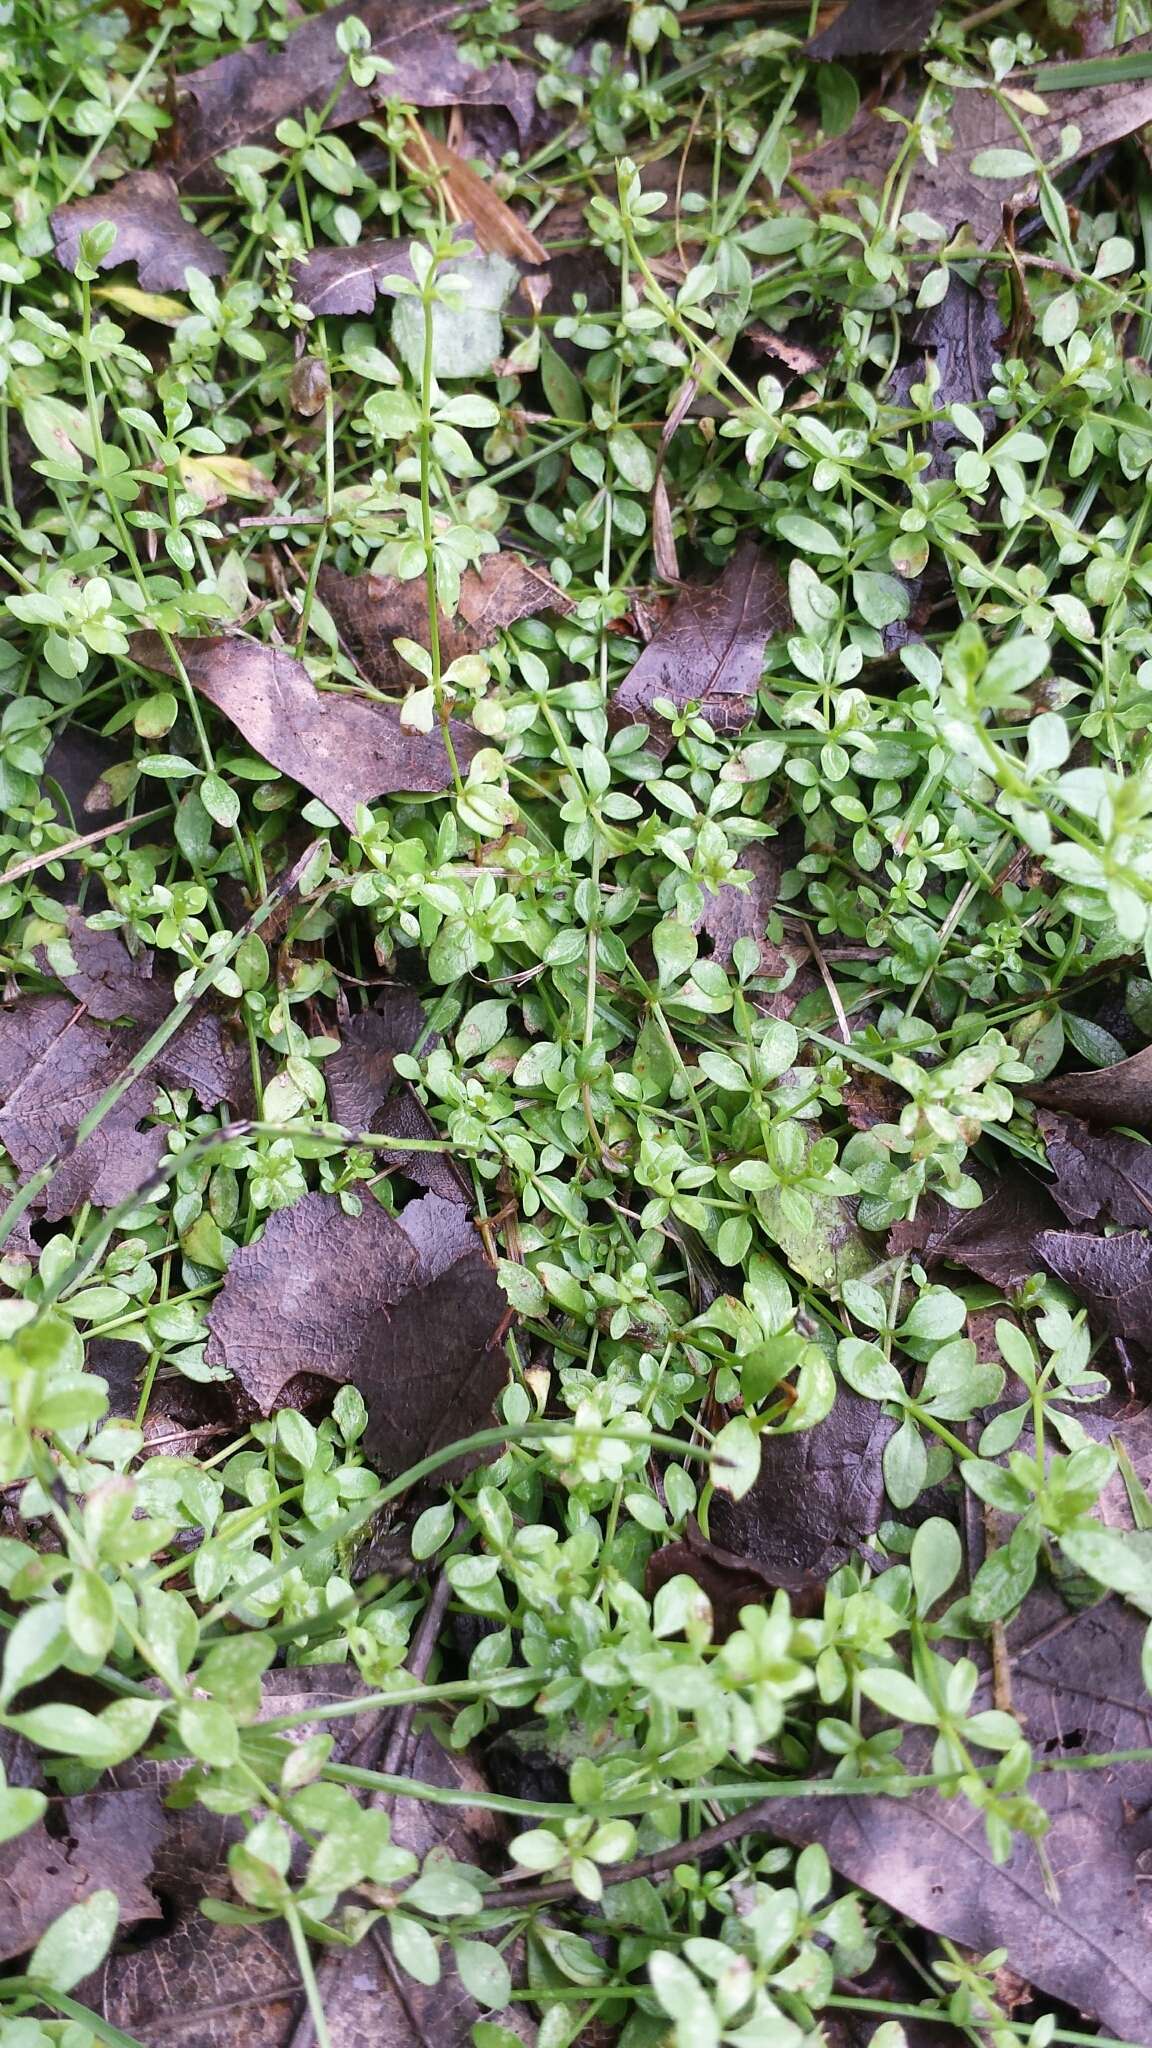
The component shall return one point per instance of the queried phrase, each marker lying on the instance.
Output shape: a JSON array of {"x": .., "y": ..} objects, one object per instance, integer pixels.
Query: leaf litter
[{"x": 345, "y": 1319}]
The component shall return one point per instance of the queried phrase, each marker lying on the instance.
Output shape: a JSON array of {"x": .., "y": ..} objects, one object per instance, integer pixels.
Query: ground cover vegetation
[{"x": 576, "y": 912}]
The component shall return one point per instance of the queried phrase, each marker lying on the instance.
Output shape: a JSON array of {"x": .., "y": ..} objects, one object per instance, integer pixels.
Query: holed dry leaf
[
  {"x": 344, "y": 750},
  {"x": 709, "y": 650},
  {"x": 874, "y": 28},
  {"x": 343, "y": 280},
  {"x": 103, "y": 1840},
  {"x": 1100, "y": 1178},
  {"x": 1105, "y": 1095},
  {"x": 407, "y": 1309},
  {"x": 151, "y": 232},
  {"x": 979, "y": 120},
  {"x": 241, "y": 98},
  {"x": 819, "y": 1495},
  {"x": 372, "y": 612},
  {"x": 1077, "y": 1684}
]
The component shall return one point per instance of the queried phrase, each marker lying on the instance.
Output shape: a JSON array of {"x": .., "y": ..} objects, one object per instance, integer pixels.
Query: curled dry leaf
[
  {"x": 709, "y": 650},
  {"x": 407, "y": 1309},
  {"x": 950, "y": 190},
  {"x": 1077, "y": 1686},
  {"x": 151, "y": 232},
  {"x": 1104, "y": 1095},
  {"x": 103, "y": 1840},
  {"x": 469, "y": 197},
  {"x": 344, "y": 750},
  {"x": 372, "y": 612},
  {"x": 1100, "y": 1178},
  {"x": 818, "y": 1497},
  {"x": 343, "y": 280},
  {"x": 242, "y": 97},
  {"x": 874, "y": 28}
]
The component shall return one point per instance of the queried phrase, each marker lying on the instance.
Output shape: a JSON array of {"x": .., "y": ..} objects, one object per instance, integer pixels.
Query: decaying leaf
[
  {"x": 407, "y": 1309},
  {"x": 729, "y": 1582},
  {"x": 469, "y": 197},
  {"x": 1100, "y": 1178},
  {"x": 347, "y": 280},
  {"x": 998, "y": 1240},
  {"x": 366, "y": 1095},
  {"x": 103, "y": 1840},
  {"x": 344, "y": 750},
  {"x": 734, "y": 912},
  {"x": 1111, "y": 1275},
  {"x": 962, "y": 337},
  {"x": 372, "y": 612},
  {"x": 102, "y": 974},
  {"x": 1121, "y": 1094},
  {"x": 151, "y": 232},
  {"x": 242, "y": 98},
  {"x": 874, "y": 28},
  {"x": 709, "y": 650},
  {"x": 56, "y": 1063},
  {"x": 819, "y": 1496},
  {"x": 951, "y": 190},
  {"x": 1077, "y": 1684}
]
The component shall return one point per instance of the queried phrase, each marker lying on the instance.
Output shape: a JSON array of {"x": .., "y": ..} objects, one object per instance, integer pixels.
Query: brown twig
[
  {"x": 525, "y": 1897},
  {"x": 42, "y": 860}
]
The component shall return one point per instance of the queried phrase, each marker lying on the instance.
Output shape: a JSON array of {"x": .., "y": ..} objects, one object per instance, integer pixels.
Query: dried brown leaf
[
  {"x": 1077, "y": 1684},
  {"x": 710, "y": 649},
  {"x": 242, "y": 97},
  {"x": 735, "y": 912},
  {"x": 819, "y": 1496},
  {"x": 874, "y": 28},
  {"x": 110, "y": 981},
  {"x": 1104, "y": 1095},
  {"x": 980, "y": 119},
  {"x": 342, "y": 280},
  {"x": 729, "y": 1582},
  {"x": 344, "y": 750},
  {"x": 365, "y": 1094},
  {"x": 151, "y": 232},
  {"x": 372, "y": 612},
  {"x": 408, "y": 1310},
  {"x": 469, "y": 197},
  {"x": 103, "y": 1840},
  {"x": 1100, "y": 1178},
  {"x": 1111, "y": 1275},
  {"x": 998, "y": 1240}
]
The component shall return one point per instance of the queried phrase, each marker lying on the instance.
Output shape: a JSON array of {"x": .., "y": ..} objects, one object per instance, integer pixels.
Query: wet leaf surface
[
  {"x": 709, "y": 650},
  {"x": 102, "y": 1839},
  {"x": 818, "y": 1497},
  {"x": 151, "y": 232},
  {"x": 409, "y": 1310},
  {"x": 344, "y": 750},
  {"x": 1077, "y": 1681},
  {"x": 371, "y": 612}
]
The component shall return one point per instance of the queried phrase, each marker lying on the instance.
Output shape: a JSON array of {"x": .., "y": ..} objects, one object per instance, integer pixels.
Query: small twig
[
  {"x": 43, "y": 860},
  {"x": 1001, "y": 1662},
  {"x": 525, "y": 1897}
]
